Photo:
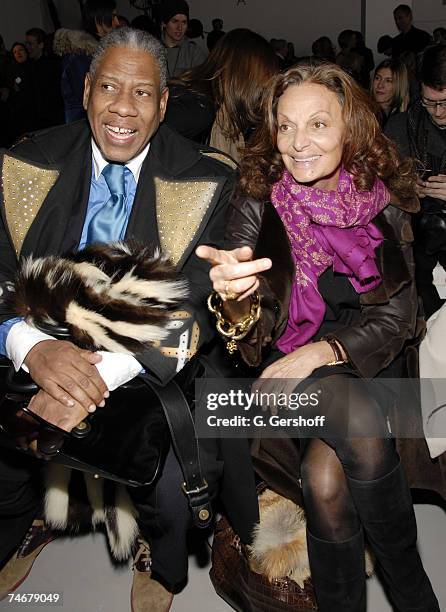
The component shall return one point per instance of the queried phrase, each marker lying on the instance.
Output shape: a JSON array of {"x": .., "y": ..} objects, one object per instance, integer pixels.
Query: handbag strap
[{"x": 185, "y": 443}]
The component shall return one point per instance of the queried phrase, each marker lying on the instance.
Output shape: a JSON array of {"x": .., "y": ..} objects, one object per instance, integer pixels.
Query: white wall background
[{"x": 298, "y": 21}]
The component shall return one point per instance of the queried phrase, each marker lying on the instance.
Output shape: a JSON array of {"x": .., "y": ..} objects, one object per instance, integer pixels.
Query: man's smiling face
[{"x": 124, "y": 103}]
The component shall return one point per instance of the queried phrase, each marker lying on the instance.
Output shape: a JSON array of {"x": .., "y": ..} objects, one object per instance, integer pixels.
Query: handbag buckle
[{"x": 196, "y": 490}]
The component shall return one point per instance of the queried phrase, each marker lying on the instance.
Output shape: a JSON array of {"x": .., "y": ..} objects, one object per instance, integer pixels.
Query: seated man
[
  {"x": 58, "y": 196},
  {"x": 420, "y": 132}
]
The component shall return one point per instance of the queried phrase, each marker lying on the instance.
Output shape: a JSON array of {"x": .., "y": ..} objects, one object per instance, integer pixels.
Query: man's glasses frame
[{"x": 433, "y": 104}]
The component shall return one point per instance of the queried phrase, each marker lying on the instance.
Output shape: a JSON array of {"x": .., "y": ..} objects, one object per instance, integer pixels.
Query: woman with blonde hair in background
[{"x": 390, "y": 89}]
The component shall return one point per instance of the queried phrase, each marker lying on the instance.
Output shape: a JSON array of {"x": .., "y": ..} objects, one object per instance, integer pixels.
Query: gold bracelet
[{"x": 234, "y": 331}]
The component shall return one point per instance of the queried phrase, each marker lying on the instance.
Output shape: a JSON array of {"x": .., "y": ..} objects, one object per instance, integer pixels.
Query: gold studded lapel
[
  {"x": 25, "y": 187},
  {"x": 181, "y": 207}
]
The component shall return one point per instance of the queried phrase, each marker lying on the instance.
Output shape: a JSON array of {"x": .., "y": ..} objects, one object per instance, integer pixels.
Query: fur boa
[
  {"x": 75, "y": 502},
  {"x": 115, "y": 297},
  {"x": 279, "y": 547}
]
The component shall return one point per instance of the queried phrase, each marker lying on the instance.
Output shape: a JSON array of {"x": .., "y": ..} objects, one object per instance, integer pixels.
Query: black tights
[{"x": 331, "y": 514}]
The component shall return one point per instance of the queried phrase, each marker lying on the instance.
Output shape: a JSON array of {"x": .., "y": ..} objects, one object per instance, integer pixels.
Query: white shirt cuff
[
  {"x": 20, "y": 340},
  {"x": 116, "y": 369}
]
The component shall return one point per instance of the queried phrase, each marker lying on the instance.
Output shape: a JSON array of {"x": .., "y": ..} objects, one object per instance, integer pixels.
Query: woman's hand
[
  {"x": 233, "y": 273},
  {"x": 301, "y": 362},
  {"x": 435, "y": 187},
  {"x": 282, "y": 376}
]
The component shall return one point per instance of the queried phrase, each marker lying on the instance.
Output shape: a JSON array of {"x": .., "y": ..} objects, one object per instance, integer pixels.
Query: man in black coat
[
  {"x": 55, "y": 195},
  {"x": 420, "y": 133}
]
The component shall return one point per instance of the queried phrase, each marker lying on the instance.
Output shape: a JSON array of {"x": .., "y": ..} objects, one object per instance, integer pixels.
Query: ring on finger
[{"x": 230, "y": 295}]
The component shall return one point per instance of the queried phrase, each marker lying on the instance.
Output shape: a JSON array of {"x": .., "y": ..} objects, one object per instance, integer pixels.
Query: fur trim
[
  {"x": 116, "y": 297},
  {"x": 110, "y": 505},
  {"x": 57, "y": 497},
  {"x": 122, "y": 528},
  {"x": 279, "y": 547},
  {"x": 73, "y": 41}
]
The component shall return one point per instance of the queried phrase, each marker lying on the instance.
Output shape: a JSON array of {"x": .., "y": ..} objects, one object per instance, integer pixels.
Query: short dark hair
[
  {"x": 384, "y": 43},
  {"x": 432, "y": 71},
  {"x": 97, "y": 11},
  {"x": 403, "y": 8},
  {"x": 344, "y": 38},
  {"x": 38, "y": 33}
]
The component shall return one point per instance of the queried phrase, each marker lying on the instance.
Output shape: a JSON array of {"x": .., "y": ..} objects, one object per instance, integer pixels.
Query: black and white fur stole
[{"x": 115, "y": 297}]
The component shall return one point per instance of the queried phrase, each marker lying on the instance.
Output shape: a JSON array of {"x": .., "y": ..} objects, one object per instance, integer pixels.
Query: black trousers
[
  {"x": 20, "y": 498},
  {"x": 164, "y": 520}
]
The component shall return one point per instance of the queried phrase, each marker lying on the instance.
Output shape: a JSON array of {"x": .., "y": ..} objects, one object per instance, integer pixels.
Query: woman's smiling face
[{"x": 311, "y": 134}]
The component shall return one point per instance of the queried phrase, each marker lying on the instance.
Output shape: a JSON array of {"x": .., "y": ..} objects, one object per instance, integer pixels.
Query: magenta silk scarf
[{"x": 326, "y": 228}]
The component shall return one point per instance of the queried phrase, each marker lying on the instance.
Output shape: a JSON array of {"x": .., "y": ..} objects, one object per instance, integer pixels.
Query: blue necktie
[{"x": 108, "y": 223}]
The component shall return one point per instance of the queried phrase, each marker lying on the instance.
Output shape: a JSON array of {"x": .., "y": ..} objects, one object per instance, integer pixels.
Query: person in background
[
  {"x": 348, "y": 58},
  {"x": 290, "y": 58},
  {"x": 76, "y": 47},
  {"x": 410, "y": 38},
  {"x": 280, "y": 48},
  {"x": 20, "y": 100},
  {"x": 195, "y": 33},
  {"x": 368, "y": 61},
  {"x": 123, "y": 22},
  {"x": 215, "y": 34},
  {"x": 323, "y": 49},
  {"x": 182, "y": 53},
  {"x": 45, "y": 75},
  {"x": 6, "y": 127},
  {"x": 420, "y": 133},
  {"x": 409, "y": 59},
  {"x": 384, "y": 45},
  {"x": 439, "y": 36},
  {"x": 390, "y": 89},
  {"x": 146, "y": 24},
  {"x": 220, "y": 100}
]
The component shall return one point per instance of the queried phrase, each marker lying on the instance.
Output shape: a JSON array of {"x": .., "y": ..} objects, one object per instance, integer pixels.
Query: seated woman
[
  {"x": 390, "y": 89},
  {"x": 323, "y": 195}
]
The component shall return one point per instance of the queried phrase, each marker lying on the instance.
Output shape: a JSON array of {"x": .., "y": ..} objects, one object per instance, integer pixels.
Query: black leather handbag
[{"x": 126, "y": 441}]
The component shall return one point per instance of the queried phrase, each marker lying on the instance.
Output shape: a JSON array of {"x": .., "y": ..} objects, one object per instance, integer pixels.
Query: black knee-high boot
[
  {"x": 338, "y": 573},
  {"x": 386, "y": 511}
]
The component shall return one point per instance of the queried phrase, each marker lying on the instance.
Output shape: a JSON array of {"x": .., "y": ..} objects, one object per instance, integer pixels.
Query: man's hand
[
  {"x": 233, "y": 272},
  {"x": 67, "y": 374},
  {"x": 435, "y": 186},
  {"x": 56, "y": 413}
]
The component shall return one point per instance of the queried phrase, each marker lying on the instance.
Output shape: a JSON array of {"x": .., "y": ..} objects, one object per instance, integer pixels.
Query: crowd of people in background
[{"x": 42, "y": 76}]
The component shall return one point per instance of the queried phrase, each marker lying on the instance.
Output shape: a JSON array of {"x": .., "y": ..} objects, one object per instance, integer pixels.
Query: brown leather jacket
[
  {"x": 388, "y": 318},
  {"x": 390, "y": 325}
]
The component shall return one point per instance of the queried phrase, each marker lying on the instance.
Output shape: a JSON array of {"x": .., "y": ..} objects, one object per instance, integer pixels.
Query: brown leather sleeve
[{"x": 388, "y": 320}]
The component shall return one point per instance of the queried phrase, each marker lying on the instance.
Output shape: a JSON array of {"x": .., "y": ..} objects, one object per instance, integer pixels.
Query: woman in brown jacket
[{"x": 323, "y": 195}]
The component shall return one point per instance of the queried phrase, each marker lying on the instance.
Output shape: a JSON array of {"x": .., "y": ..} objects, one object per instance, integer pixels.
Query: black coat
[{"x": 181, "y": 201}]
